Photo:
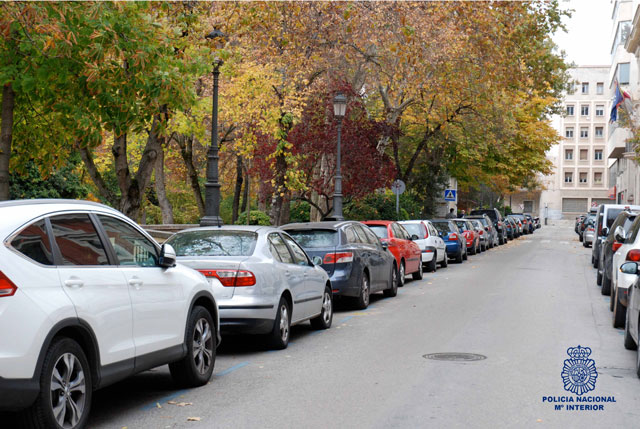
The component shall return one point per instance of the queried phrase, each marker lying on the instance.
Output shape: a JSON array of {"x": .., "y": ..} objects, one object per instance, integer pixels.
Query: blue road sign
[{"x": 450, "y": 195}]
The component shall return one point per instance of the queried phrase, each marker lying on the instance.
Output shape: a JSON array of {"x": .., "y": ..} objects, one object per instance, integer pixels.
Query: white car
[
  {"x": 88, "y": 298},
  {"x": 627, "y": 245},
  {"x": 433, "y": 247}
]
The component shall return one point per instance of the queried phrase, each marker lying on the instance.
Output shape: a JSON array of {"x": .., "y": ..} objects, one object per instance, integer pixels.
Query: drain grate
[{"x": 455, "y": 357}]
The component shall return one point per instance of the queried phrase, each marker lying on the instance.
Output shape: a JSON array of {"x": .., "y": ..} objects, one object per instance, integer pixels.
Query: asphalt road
[{"x": 520, "y": 305}]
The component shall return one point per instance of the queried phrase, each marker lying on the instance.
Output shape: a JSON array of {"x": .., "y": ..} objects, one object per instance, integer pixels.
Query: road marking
[
  {"x": 345, "y": 319},
  {"x": 233, "y": 368}
]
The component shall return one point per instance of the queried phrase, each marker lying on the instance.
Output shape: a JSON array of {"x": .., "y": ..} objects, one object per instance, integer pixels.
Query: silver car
[
  {"x": 589, "y": 233},
  {"x": 267, "y": 281}
]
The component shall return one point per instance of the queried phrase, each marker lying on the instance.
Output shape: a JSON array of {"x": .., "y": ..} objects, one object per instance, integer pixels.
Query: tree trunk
[
  {"x": 245, "y": 194},
  {"x": 238, "y": 189},
  {"x": 6, "y": 127},
  {"x": 280, "y": 190},
  {"x": 186, "y": 151},
  {"x": 161, "y": 192}
]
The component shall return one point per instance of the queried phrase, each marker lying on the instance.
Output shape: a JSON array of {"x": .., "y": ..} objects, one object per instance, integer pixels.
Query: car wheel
[
  {"x": 599, "y": 278},
  {"x": 581, "y": 237},
  {"x": 459, "y": 257},
  {"x": 323, "y": 321},
  {"x": 419, "y": 274},
  {"x": 612, "y": 302},
  {"x": 474, "y": 250},
  {"x": 432, "y": 264},
  {"x": 196, "y": 367},
  {"x": 278, "y": 339},
  {"x": 629, "y": 343},
  {"x": 606, "y": 283},
  {"x": 401, "y": 275},
  {"x": 466, "y": 255},
  {"x": 445, "y": 261},
  {"x": 619, "y": 312},
  {"x": 584, "y": 243},
  {"x": 393, "y": 290},
  {"x": 66, "y": 387},
  {"x": 362, "y": 301}
]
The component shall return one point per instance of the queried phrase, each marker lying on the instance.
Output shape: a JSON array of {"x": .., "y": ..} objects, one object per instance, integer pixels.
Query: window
[
  {"x": 569, "y": 110},
  {"x": 599, "y": 132},
  {"x": 299, "y": 256},
  {"x": 584, "y": 110},
  {"x": 131, "y": 247},
  {"x": 568, "y": 154},
  {"x": 380, "y": 230},
  {"x": 597, "y": 178},
  {"x": 33, "y": 242},
  {"x": 310, "y": 238},
  {"x": 622, "y": 73},
  {"x": 583, "y": 177},
  {"x": 598, "y": 155},
  {"x": 584, "y": 132},
  {"x": 585, "y": 87},
  {"x": 584, "y": 154},
  {"x": 78, "y": 240},
  {"x": 279, "y": 249},
  {"x": 568, "y": 132},
  {"x": 599, "y": 110},
  {"x": 351, "y": 235},
  {"x": 211, "y": 242},
  {"x": 600, "y": 88},
  {"x": 371, "y": 237},
  {"x": 568, "y": 177}
]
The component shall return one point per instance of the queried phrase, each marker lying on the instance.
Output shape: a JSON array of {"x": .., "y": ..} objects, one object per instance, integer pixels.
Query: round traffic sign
[{"x": 398, "y": 187}]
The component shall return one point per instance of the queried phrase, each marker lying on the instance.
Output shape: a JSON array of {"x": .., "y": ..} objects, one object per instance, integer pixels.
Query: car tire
[
  {"x": 445, "y": 261},
  {"x": 401, "y": 275},
  {"x": 65, "y": 364},
  {"x": 629, "y": 343},
  {"x": 196, "y": 368},
  {"x": 419, "y": 274},
  {"x": 584, "y": 244},
  {"x": 393, "y": 290},
  {"x": 612, "y": 302},
  {"x": 362, "y": 301},
  {"x": 581, "y": 238},
  {"x": 473, "y": 250},
  {"x": 466, "y": 255},
  {"x": 432, "y": 265},
  {"x": 459, "y": 257},
  {"x": 606, "y": 284},
  {"x": 324, "y": 319},
  {"x": 599, "y": 278},
  {"x": 278, "y": 338},
  {"x": 619, "y": 313}
]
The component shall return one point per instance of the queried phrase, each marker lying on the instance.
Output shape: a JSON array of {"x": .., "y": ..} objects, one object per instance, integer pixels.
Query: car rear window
[
  {"x": 214, "y": 243},
  {"x": 462, "y": 225},
  {"x": 314, "y": 238},
  {"x": 442, "y": 227},
  {"x": 490, "y": 213},
  {"x": 379, "y": 230},
  {"x": 413, "y": 229}
]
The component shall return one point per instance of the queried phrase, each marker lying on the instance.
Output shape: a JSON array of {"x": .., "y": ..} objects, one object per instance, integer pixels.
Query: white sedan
[{"x": 433, "y": 247}]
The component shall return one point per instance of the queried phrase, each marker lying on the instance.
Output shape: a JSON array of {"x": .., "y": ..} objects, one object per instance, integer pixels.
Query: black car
[
  {"x": 351, "y": 253},
  {"x": 625, "y": 220},
  {"x": 496, "y": 218}
]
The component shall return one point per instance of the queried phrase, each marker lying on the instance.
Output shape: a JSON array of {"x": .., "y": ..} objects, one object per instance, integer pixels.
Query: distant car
[
  {"x": 407, "y": 253},
  {"x": 526, "y": 228},
  {"x": 589, "y": 232},
  {"x": 264, "y": 281},
  {"x": 483, "y": 236},
  {"x": 488, "y": 227},
  {"x": 510, "y": 228},
  {"x": 582, "y": 226},
  {"x": 496, "y": 218},
  {"x": 432, "y": 245},
  {"x": 471, "y": 236},
  {"x": 453, "y": 238},
  {"x": 518, "y": 225},
  {"x": 627, "y": 249},
  {"x": 578, "y": 222},
  {"x": 352, "y": 255}
]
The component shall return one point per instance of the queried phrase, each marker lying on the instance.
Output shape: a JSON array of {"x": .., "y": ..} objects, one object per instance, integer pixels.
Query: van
[{"x": 605, "y": 216}]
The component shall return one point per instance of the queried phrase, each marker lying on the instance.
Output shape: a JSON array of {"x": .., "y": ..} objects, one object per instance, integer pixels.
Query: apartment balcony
[{"x": 616, "y": 146}]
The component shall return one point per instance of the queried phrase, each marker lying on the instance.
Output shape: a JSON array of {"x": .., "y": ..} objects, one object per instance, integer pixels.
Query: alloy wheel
[
  {"x": 68, "y": 391},
  {"x": 365, "y": 290},
  {"x": 326, "y": 308},
  {"x": 284, "y": 323},
  {"x": 202, "y": 346}
]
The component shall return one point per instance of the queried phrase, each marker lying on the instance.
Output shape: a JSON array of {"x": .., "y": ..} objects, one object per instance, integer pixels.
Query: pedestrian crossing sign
[{"x": 450, "y": 195}]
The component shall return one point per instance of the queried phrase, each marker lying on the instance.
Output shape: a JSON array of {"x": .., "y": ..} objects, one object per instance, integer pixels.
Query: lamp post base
[{"x": 211, "y": 221}]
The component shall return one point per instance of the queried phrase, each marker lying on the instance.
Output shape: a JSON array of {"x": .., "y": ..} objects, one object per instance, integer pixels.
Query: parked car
[
  {"x": 589, "y": 218},
  {"x": 510, "y": 228},
  {"x": 453, "y": 238},
  {"x": 588, "y": 233},
  {"x": 579, "y": 220},
  {"x": 407, "y": 253},
  {"x": 496, "y": 218},
  {"x": 632, "y": 325},
  {"x": 483, "y": 235},
  {"x": 609, "y": 245},
  {"x": 627, "y": 249},
  {"x": 536, "y": 222},
  {"x": 352, "y": 255},
  {"x": 267, "y": 282},
  {"x": 88, "y": 298},
  {"x": 605, "y": 216},
  {"x": 471, "y": 236},
  {"x": 518, "y": 223},
  {"x": 524, "y": 221},
  {"x": 434, "y": 251},
  {"x": 530, "y": 222},
  {"x": 488, "y": 227}
]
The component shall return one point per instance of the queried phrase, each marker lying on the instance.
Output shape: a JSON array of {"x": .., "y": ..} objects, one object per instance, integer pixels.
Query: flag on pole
[{"x": 618, "y": 99}]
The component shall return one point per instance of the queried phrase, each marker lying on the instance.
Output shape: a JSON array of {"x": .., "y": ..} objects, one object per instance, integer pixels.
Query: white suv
[{"x": 87, "y": 298}]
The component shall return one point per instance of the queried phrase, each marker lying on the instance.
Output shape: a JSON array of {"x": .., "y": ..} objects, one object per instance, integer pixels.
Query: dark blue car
[
  {"x": 455, "y": 241},
  {"x": 353, "y": 256}
]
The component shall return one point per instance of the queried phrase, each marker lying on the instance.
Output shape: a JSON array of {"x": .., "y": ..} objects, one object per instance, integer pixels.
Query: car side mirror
[
  {"x": 619, "y": 234},
  {"x": 317, "y": 260},
  {"x": 414, "y": 237},
  {"x": 167, "y": 256},
  {"x": 629, "y": 268},
  {"x": 605, "y": 231},
  {"x": 384, "y": 244}
]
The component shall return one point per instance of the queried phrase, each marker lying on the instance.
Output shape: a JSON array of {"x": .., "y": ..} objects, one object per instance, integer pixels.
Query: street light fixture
[
  {"x": 212, "y": 186},
  {"x": 339, "y": 110}
]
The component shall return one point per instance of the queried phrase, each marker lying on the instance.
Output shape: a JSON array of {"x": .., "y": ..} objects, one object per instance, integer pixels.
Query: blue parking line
[
  {"x": 165, "y": 399},
  {"x": 345, "y": 319},
  {"x": 233, "y": 368}
]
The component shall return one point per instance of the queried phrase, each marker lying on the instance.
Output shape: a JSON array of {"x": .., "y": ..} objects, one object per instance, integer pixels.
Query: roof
[
  {"x": 329, "y": 224},
  {"x": 39, "y": 201},
  {"x": 251, "y": 228},
  {"x": 378, "y": 222}
]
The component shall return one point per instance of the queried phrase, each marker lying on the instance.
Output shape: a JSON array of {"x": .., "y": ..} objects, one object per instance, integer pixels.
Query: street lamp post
[
  {"x": 212, "y": 186},
  {"x": 339, "y": 109}
]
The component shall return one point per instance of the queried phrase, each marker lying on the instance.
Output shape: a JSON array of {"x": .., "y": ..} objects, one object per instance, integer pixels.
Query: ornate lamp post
[
  {"x": 339, "y": 109},
  {"x": 212, "y": 186}
]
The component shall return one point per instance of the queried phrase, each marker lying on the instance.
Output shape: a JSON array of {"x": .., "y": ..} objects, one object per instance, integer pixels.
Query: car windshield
[
  {"x": 442, "y": 227},
  {"x": 380, "y": 230},
  {"x": 313, "y": 238},
  {"x": 412, "y": 228},
  {"x": 214, "y": 243},
  {"x": 462, "y": 225}
]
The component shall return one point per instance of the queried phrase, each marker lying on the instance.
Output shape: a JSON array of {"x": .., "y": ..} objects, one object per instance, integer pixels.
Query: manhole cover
[{"x": 457, "y": 357}]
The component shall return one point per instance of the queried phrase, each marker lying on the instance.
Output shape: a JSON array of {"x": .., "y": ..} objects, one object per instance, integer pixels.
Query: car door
[
  {"x": 441, "y": 247},
  {"x": 375, "y": 261},
  {"x": 293, "y": 274},
  {"x": 310, "y": 300},
  {"x": 157, "y": 295},
  {"x": 95, "y": 285}
]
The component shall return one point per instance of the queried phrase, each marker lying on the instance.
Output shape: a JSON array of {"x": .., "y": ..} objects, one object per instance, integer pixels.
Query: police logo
[{"x": 579, "y": 372}]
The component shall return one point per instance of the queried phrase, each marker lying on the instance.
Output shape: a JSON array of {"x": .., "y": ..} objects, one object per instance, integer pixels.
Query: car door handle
[
  {"x": 287, "y": 273},
  {"x": 135, "y": 282},
  {"x": 73, "y": 282}
]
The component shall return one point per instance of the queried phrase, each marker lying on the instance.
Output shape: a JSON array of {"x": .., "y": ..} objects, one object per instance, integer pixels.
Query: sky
[{"x": 588, "y": 37}]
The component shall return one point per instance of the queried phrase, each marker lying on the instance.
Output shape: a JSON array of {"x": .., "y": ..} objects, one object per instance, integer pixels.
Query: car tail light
[
  {"x": 633, "y": 255},
  {"x": 7, "y": 288},
  {"x": 615, "y": 246},
  {"x": 338, "y": 258},
  {"x": 453, "y": 236},
  {"x": 231, "y": 278},
  {"x": 481, "y": 232}
]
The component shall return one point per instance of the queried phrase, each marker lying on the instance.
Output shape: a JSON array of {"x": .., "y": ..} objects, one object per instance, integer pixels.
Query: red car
[
  {"x": 472, "y": 237},
  {"x": 407, "y": 253}
]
